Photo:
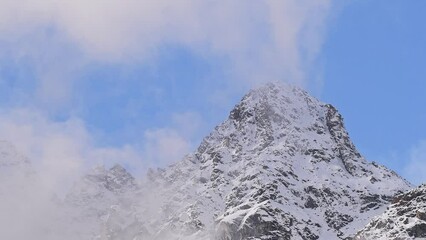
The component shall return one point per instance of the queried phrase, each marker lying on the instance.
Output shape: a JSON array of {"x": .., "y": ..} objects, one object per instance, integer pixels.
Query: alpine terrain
[{"x": 282, "y": 166}]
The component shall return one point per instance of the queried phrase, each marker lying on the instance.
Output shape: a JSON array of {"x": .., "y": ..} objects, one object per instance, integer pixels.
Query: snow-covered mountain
[
  {"x": 282, "y": 166},
  {"x": 404, "y": 219}
]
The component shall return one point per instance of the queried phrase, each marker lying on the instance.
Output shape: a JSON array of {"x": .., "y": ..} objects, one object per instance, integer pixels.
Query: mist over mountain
[{"x": 282, "y": 166}]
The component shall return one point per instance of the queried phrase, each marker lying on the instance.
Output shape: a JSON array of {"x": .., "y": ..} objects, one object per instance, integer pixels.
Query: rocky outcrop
[{"x": 404, "y": 219}]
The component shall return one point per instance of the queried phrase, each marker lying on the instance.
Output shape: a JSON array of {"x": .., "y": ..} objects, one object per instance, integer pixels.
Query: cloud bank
[
  {"x": 60, "y": 151},
  {"x": 261, "y": 40},
  {"x": 53, "y": 42}
]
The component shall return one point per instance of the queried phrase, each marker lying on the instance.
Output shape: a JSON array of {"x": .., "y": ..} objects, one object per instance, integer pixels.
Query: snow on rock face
[
  {"x": 281, "y": 167},
  {"x": 404, "y": 219}
]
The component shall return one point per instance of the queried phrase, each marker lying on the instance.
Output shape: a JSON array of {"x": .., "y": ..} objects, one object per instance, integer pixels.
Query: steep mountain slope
[
  {"x": 281, "y": 167},
  {"x": 404, "y": 219}
]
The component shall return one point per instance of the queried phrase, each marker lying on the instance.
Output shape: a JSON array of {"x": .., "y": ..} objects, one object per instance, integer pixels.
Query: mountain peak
[
  {"x": 274, "y": 93},
  {"x": 274, "y": 101},
  {"x": 119, "y": 170},
  {"x": 101, "y": 183},
  {"x": 115, "y": 171},
  {"x": 120, "y": 177},
  {"x": 275, "y": 88},
  {"x": 277, "y": 111},
  {"x": 281, "y": 147},
  {"x": 115, "y": 179}
]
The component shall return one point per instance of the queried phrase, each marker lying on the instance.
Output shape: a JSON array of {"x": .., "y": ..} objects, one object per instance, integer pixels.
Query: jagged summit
[
  {"x": 271, "y": 101},
  {"x": 101, "y": 183},
  {"x": 279, "y": 112},
  {"x": 115, "y": 179}
]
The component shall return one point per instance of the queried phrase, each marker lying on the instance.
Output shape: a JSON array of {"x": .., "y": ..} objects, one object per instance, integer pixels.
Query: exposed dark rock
[
  {"x": 420, "y": 214},
  {"x": 337, "y": 220},
  {"x": 310, "y": 203},
  {"x": 417, "y": 231}
]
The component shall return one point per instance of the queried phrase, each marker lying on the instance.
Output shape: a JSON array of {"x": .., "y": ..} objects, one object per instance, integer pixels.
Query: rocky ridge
[{"x": 405, "y": 218}]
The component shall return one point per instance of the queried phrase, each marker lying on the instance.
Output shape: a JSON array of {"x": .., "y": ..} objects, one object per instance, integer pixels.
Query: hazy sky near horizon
[{"x": 142, "y": 82}]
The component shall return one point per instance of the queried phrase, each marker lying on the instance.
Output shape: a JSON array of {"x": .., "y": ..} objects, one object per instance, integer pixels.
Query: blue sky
[
  {"x": 83, "y": 84},
  {"x": 375, "y": 68}
]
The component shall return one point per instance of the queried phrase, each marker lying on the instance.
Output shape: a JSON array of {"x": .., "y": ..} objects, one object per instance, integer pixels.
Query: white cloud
[
  {"x": 415, "y": 168},
  {"x": 187, "y": 123},
  {"x": 63, "y": 150},
  {"x": 262, "y": 40},
  {"x": 60, "y": 151},
  {"x": 163, "y": 146}
]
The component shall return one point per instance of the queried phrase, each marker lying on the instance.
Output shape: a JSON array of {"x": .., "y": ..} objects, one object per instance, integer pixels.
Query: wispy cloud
[
  {"x": 263, "y": 41},
  {"x": 60, "y": 151},
  {"x": 162, "y": 146}
]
